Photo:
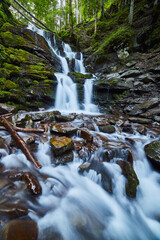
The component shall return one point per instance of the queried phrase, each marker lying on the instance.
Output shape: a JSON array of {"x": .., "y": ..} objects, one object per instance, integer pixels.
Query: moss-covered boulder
[
  {"x": 152, "y": 151},
  {"x": 107, "y": 129},
  {"x": 132, "y": 180},
  {"x": 61, "y": 144}
]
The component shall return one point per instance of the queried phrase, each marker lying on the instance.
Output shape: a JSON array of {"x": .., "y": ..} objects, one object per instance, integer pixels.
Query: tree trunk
[
  {"x": 96, "y": 12},
  {"x": 22, "y": 145},
  {"x": 131, "y": 12},
  {"x": 70, "y": 16},
  {"x": 102, "y": 9}
]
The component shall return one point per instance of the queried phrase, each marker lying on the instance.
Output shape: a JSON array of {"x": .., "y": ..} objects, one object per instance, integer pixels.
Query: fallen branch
[
  {"x": 20, "y": 142},
  {"x": 26, "y": 130}
]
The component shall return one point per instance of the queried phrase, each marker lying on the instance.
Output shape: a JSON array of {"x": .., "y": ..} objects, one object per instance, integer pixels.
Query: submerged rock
[
  {"x": 152, "y": 151},
  {"x": 129, "y": 173},
  {"x": 61, "y": 145},
  {"x": 20, "y": 229},
  {"x": 85, "y": 134},
  {"x": 64, "y": 158}
]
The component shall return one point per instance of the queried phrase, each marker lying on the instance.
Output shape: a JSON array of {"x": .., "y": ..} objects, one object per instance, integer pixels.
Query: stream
[{"x": 84, "y": 199}]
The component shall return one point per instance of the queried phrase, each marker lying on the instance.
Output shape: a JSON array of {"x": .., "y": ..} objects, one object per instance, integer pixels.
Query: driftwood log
[{"x": 20, "y": 142}]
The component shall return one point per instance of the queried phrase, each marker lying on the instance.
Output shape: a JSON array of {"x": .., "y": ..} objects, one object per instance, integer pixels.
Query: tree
[{"x": 131, "y": 12}]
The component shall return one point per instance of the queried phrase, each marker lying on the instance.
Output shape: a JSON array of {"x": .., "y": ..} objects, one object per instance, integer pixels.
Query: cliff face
[{"x": 26, "y": 65}]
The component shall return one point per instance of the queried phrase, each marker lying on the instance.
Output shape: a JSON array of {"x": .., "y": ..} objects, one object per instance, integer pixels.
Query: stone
[
  {"x": 155, "y": 70},
  {"x": 99, "y": 168},
  {"x": 64, "y": 118},
  {"x": 32, "y": 183},
  {"x": 63, "y": 128},
  {"x": 61, "y": 144},
  {"x": 131, "y": 73},
  {"x": 140, "y": 120},
  {"x": 151, "y": 113},
  {"x": 64, "y": 158},
  {"x": 20, "y": 230},
  {"x": 85, "y": 134},
  {"x": 157, "y": 118},
  {"x": 131, "y": 64},
  {"x": 140, "y": 108},
  {"x": 129, "y": 173},
  {"x": 123, "y": 53},
  {"x": 107, "y": 129},
  {"x": 12, "y": 211},
  {"x": 118, "y": 153},
  {"x": 152, "y": 151},
  {"x": 145, "y": 78},
  {"x": 5, "y": 108}
]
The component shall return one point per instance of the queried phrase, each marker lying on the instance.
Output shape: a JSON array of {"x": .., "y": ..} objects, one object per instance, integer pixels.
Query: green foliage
[{"x": 120, "y": 38}]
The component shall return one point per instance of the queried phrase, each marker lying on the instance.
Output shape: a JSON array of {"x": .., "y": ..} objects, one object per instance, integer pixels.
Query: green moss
[
  {"x": 6, "y": 26},
  {"x": 80, "y": 75},
  {"x": 122, "y": 37},
  {"x": 35, "y": 83},
  {"x": 11, "y": 40}
]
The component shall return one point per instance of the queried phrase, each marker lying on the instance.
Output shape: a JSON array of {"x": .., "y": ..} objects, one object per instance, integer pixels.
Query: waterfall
[{"x": 66, "y": 93}]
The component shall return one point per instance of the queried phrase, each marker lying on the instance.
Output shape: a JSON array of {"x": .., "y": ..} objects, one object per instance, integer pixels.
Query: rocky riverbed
[{"x": 90, "y": 141}]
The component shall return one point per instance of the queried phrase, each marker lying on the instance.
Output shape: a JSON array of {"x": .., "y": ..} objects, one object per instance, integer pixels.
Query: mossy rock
[
  {"x": 129, "y": 173},
  {"x": 107, "y": 129},
  {"x": 152, "y": 151},
  {"x": 61, "y": 145}
]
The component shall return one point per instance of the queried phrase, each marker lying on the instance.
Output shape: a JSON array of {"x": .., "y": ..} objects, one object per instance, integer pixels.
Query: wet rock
[
  {"x": 64, "y": 158},
  {"x": 152, "y": 151},
  {"x": 29, "y": 139},
  {"x": 102, "y": 123},
  {"x": 157, "y": 118},
  {"x": 12, "y": 211},
  {"x": 16, "y": 175},
  {"x": 129, "y": 173},
  {"x": 20, "y": 230},
  {"x": 139, "y": 109},
  {"x": 127, "y": 129},
  {"x": 118, "y": 153},
  {"x": 141, "y": 129},
  {"x": 88, "y": 125},
  {"x": 32, "y": 183},
  {"x": 155, "y": 70},
  {"x": 61, "y": 145},
  {"x": 151, "y": 113},
  {"x": 4, "y": 147},
  {"x": 145, "y": 78},
  {"x": 107, "y": 129},
  {"x": 63, "y": 128},
  {"x": 85, "y": 134},
  {"x": 139, "y": 120},
  {"x": 5, "y": 108},
  {"x": 64, "y": 118},
  {"x": 131, "y": 73},
  {"x": 106, "y": 178},
  {"x": 131, "y": 64}
]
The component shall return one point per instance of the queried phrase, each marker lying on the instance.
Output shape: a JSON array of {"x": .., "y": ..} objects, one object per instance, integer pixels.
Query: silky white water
[
  {"x": 76, "y": 206},
  {"x": 66, "y": 89}
]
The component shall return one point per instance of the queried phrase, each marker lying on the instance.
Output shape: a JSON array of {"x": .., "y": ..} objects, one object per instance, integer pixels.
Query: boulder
[
  {"x": 118, "y": 153},
  {"x": 129, "y": 173},
  {"x": 152, "y": 151},
  {"x": 107, "y": 129},
  {"x": 99, "y": 168},
  {"x": 20, "y": 230},
  {"x": 61, "y": 144},
  {"x": 64, "y": 158},
  {"x": 151, "y": 113},
  {"x": 140, "y": 120},
  {"x": 140, "y": 108},
  {"x": 12, "y": 211},
  {"x": 63, "y": 128},
  {"x": 5, "y": 108},
  {"x": 64, "y": 118},
  {"x": 131, "y": 73},
  {"x": 85, "y": 134}
]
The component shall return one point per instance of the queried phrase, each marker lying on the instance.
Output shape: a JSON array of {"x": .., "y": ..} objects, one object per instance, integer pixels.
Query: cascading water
[
  {"x": 76, "y": 206},
  {"x": 66, "y": 89}
]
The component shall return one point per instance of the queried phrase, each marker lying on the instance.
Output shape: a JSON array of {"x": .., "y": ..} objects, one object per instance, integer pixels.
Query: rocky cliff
[{"x": 26, "y": 65}]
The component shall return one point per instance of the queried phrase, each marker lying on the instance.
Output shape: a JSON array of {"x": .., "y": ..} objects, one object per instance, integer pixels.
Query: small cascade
[
  {"x": 88, "y": 90},
  {"x": 66, "y": 97},
  {"x": 66, "y": 93}
]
